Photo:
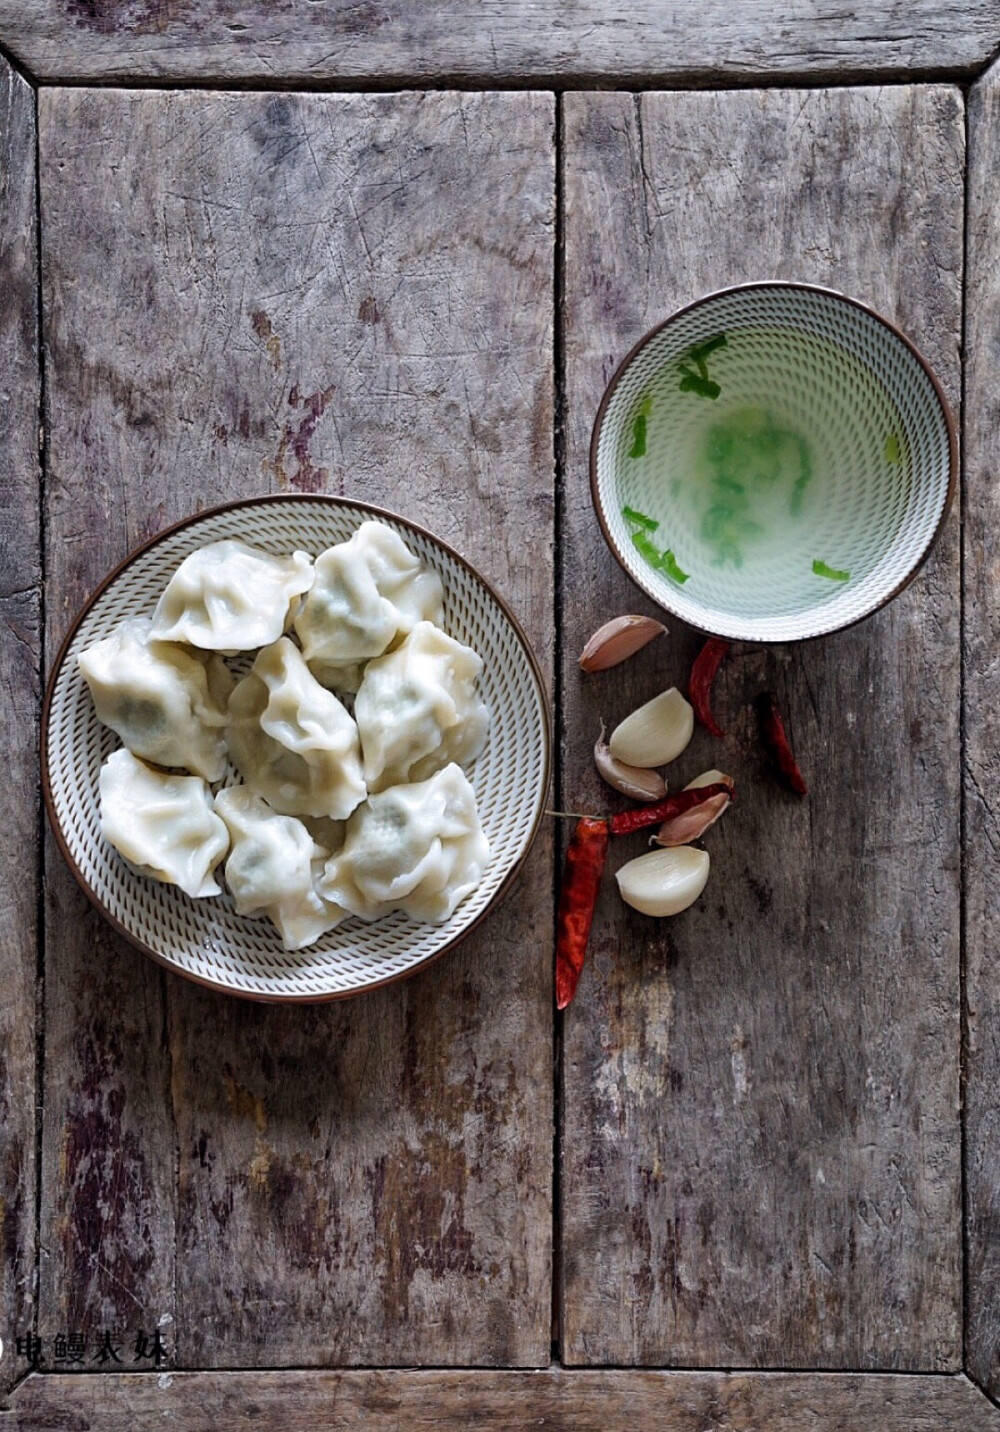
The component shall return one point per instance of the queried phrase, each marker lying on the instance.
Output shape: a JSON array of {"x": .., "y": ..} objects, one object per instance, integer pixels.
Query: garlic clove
[
  {"x": 664, "y": 882},
  {"x": 710, "y": 778},
  {"x": 656, "y": 733},
  {"x": 692, "y": 824},
  {"x": 617, "y": 640},
  {"x": 632, "y": 781}
]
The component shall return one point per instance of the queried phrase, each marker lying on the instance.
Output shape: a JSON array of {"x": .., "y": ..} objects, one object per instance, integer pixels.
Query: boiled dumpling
[
  {"x": 272, "y": 868},
  {"x": 163, "y": 825},
  {"x": 166, "y": 703},
  {"x": 417, "y": 708},
  {"x": 368, "y": 591},
  {"x": 418, "y": 848},
  {"x": 231, "y": 597},
  {"x": 292, "y": 740}
]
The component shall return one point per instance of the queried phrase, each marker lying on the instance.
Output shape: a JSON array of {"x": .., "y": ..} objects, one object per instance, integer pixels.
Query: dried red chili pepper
[
  {"x": 585, "y": 857},
  {"x": 677, "y": 804},
  {"x": 706, "y": 664},
  {"x": 772, "y": 729}
]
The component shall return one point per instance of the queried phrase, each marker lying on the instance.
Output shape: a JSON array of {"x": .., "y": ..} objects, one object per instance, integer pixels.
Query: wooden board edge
[
  {"x": 980, "y": 1328},
  {"x": 20, "y": 699},
  {"x": 668, "y": 1401}
]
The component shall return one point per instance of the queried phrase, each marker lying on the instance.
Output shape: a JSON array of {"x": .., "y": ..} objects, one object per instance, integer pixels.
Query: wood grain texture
[
  {"x": 343, "y": 41},
  {"x": 761, "y": 1136},
  {"x": 504, "y": 1402},
  {"x": 354, "y": 295},
  {"x": 20, "y": 663},
  {"x": 981, "y": 514}
]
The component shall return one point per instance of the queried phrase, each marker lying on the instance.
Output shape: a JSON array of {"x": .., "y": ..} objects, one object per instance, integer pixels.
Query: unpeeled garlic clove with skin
[
  {"x": 664, "y": 882},
  {"x": 617, "y": 640},
  {"x": 693, "y": 823},
  {"x": 633, "y": 781},
  {"x": 656, "y": 733},
  {"x": 710, "y": 778}
]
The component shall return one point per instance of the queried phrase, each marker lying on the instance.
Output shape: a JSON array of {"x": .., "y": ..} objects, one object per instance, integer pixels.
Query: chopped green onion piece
[
  {"x": 646, "y": 548},
  {"x": 640, "y": 518},
  {"x": 892, "y": 450},
  {"x": 695, "y": 383},
  {"x": 835, "y": 575},
  {"x": 698, "y": 352},
  {"x": 702, "y": 350},
  {"x": 668, "y": 563},
  {"x": 638, "y": 448}
]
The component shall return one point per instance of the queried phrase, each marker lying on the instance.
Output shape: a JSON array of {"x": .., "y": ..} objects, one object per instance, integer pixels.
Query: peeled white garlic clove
[
  {"x": 656, "y": 733},
  {"x": 664, "y": 882},
  {"x": 632, "y": 781},
  {"x": 617, "y": 640}
]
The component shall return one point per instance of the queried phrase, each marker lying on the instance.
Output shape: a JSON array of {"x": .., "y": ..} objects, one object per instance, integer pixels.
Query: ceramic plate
[{"x": 205, "y": 939}]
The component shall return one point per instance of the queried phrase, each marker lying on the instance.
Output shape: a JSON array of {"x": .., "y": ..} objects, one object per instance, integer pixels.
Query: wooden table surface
[{"x": 751, "y": 1178}]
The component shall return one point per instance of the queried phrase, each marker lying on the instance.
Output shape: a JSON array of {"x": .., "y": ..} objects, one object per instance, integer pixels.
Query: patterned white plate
[{"x": 205, "y": 939}]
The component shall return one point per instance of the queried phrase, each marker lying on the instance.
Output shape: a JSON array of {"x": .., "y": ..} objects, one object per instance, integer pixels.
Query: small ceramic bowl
[
  {"x": 773, "y": 462},
  {"x": 206, "y": 939}
]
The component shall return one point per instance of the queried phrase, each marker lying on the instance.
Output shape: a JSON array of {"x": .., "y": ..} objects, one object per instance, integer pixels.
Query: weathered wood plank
[
  {"x": 108, "y": 1178},
  {"x": 761, "y": 1132},
  {"x": 20, "y": 663},
  {"x": 367, "y": 1182},
  {"x": 981, "y": 513},
  {"x": 505, "y": 1402},
  {"x": 108, "y": 1196},
  {"x": 567, "y": 41}
]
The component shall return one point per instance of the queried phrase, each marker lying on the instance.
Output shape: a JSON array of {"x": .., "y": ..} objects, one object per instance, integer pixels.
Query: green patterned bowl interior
[{"x": 794, "y": 452}]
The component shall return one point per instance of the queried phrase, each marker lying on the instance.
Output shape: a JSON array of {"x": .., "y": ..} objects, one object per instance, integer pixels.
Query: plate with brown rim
[{"x": 206, "y": 940}]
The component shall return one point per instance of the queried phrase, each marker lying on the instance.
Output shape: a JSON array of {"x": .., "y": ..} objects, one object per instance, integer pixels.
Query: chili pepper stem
[{"x": 572, "y": 815}]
